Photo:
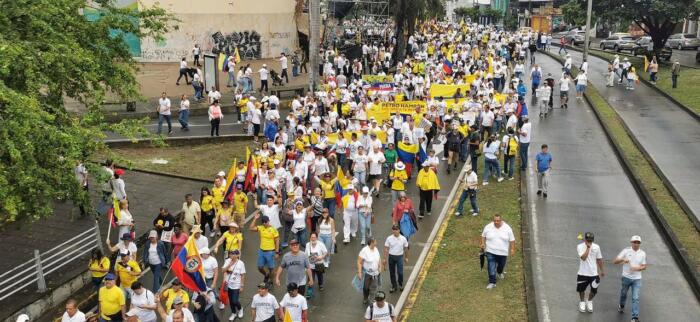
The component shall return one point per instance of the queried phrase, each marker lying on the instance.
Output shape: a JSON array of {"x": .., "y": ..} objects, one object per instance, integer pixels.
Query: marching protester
[
  {"x": 396, "y": 252},
  {"x": 497, "y": 242},
  {"x": 590, "y": 270},
  {"x": 634, "y": 261},
  {"x": 544, "y": 164}
]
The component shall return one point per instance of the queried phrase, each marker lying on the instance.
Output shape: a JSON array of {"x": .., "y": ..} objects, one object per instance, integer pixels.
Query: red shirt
[{"x": 400, "y": 208}]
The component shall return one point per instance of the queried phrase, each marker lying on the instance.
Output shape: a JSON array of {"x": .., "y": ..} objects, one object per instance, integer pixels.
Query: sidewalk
[
  {"x": 589, "y": 191},
  {"x": 669, "y": 134}
]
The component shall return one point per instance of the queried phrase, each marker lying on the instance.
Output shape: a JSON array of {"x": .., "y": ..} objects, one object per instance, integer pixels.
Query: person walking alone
[
  {"x": 675, "y": 72},
  {"x": 215, "y": 117},
  {"x": 183, "y": 72},
  {"x": 472, "y": 185},
  {"x": 264, "y": 74},
  {"x": 284, "y": 63},
  {"x": 184, "y": 114},
  {"x": 634, "y": 261},
  {"x": 496, "y": 240},
  {"x": 590, "y": 270},
  {"x": 544, "y": 164},
  {"x": 164, "y": 113},
  {"x": 429, "y": 185},
  {"x": 396, "y": 252}
]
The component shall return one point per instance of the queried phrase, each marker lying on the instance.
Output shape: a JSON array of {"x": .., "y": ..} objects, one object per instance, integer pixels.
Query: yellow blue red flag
[{"x": 187, "y": 266}]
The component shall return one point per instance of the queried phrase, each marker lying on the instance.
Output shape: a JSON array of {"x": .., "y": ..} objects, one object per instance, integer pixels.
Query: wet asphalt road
[
  {"x": 589, "y": 191},
  {"x": 668, "y": 133}
]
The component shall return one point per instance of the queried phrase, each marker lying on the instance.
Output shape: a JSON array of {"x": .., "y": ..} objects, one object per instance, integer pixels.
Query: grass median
[
  {"x": 672, "y": 212},
  {"x": 452, "y": 285},
  {"x": 198, "y": 161}
]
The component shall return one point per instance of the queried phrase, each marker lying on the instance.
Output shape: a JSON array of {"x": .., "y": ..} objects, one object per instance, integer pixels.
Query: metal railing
[{"x": 44, "y": 263}]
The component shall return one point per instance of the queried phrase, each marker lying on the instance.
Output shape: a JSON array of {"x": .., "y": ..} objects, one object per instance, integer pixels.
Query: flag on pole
[
  {"x": 249, "y": 183},
  {"x": 646, "y": 63},
  {"x": 237, "y": 56},
  {"x": 231, "y": 187},
  {"x": 447, "y": 66},
  {"x": 421, "y": 156},
  {"x": 187, "y": 266},
  {"x": 114, "y": 214},
  {"x": 221, "y": 62},
  {"x": 340, "y": 185},
  {"x": 407, "y": 154}
]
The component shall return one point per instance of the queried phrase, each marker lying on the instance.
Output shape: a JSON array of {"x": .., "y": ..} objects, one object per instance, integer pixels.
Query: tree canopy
[{"x": 49, "y": 52}]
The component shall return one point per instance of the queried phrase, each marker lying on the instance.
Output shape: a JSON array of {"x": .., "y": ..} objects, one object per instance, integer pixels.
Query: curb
[
  {"x": 679, "y": 253},
  {"x": 170, "y": 175},
  {"x": 438, "y": 229},
  {"x": 646, "y": 82},
  {"x": 176, "y": 141},
  {"x": 525, "y": 221}
]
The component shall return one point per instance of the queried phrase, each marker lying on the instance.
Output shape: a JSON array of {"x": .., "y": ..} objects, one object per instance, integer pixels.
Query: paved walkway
[
  {"x": 590, "y": 192},
  {"x": 667, "y": 132}
]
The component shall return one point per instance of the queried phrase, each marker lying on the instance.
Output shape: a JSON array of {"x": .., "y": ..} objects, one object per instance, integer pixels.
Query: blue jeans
[
  {"x": 231, "y": 78},
  {"x": 157, "y": 276},
  {"x": 365, "y": 226},
  {"x": 396, "y": 270},
  {"x": 488, "y": 165},
  {"x": 234, "y": 301},
  {"x": 162, "y": 117},
  {"x": 636, "y": 285},
  {"x": 330, "y": 204},
  {"x": 463, "y": 149},
  {"x": 471, "y": 193},
  {"x": 496, "y": 264},
  {"x": 509, "y": 165},
  {"x": 300, "y": 236},
  {"x": 523, "y": 155},
  {"x": 361, "y": 177},
  {"x": 184, "y": 118},
  {"x": 197, "y": 92},
  {"x": 327, "y": 241}
]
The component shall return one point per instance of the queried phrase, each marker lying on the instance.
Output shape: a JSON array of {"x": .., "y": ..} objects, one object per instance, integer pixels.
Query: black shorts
[
  {"x": 454, "y": 147},
  {"x": 582, "y": 283},
  {"x": 373, "y": 177}
]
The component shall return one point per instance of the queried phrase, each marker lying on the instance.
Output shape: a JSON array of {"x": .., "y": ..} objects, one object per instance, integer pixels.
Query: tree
[
  {"x": 49, "y": 52},
  {"x": 574, "y": 12},
  {"x": 407, "y": 15},
  {"x": 657, "y": 18}
]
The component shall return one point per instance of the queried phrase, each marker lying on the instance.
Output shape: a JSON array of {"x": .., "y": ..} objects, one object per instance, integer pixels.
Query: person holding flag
[
  {"x": 188, "y": 267},
  {"x": 293, "y": 305}
]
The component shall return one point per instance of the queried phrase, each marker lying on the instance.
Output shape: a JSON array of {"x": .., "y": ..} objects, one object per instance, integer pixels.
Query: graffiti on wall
[{"x": 249, "y": 43}]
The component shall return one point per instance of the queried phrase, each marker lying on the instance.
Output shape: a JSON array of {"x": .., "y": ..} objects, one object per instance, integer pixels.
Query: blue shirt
[{"x": 543, "y": 161}]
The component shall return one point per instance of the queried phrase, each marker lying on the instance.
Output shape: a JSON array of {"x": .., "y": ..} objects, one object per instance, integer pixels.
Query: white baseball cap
[
  {"x": 23, "y": 318},
  {"x": 636, "y": 238},
  {"x": 365, "y": 189}
]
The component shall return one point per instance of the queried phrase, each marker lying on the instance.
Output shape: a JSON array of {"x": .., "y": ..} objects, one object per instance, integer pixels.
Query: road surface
[{"x": 590, "y": 192}]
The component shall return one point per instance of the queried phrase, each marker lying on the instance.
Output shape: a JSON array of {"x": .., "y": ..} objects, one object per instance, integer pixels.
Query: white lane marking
[{"x": 536, "y": 243}]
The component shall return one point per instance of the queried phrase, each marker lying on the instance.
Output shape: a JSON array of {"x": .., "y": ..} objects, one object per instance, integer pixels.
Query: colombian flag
[
  {"x": 421, "y": 156},
  {"x": 231, "y": 187},
  {"x": 447, "y": 66},
  {"x": 249, "y": 183},
  {"x": 114, "y": 213},
  {"x": 187, "y": 266},
  {"x": 407, "y": 154},
  {"x": 340, "y": 191}
]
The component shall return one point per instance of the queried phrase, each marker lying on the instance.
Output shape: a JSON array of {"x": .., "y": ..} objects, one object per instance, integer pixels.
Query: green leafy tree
[
  {"x": 658, "y": 18},
  {"x": 467, "y": 12},
  {"x": 50, "y": 52},
  {"x": 408, "y": 14},
  {"x": 574, "y": 12}
]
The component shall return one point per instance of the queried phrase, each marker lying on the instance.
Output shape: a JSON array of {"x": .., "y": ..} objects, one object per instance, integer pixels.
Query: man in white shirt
[
  {"x": 263, "y": 77},
  {"x": 634, "y": 261},
  {"x": 524, "y": 138},
  {"x": 72, "y": 313},
  {"x": 214, "y": 95},
  {"x": 264, "y": 305},
  {"x": 564, "y": 84},
  {"x": 590, "y": 270},
  {"x": 294, "y": 303},
  {"x": 231, "y": 65},
  {"x": 380, "y": 311},
  {"x": 472, "y": 182},
  {"x": 496, "y": 239},
  {"x": 283, "y": 65},
  {"x": 164, "y": 113},
  {"x": 183, "y": 71},
  {"x": 396, "y": 251}
]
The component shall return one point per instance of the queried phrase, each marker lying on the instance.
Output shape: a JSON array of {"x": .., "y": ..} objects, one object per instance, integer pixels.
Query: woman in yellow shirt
[
  {"x": 218, "y": 192},
  {"x": 398, "y": 177},
  {"x": 206, "y": 203},
  {"x": 224, "y": 216},
  {"x": 233, "y": 239},
  {"x": 98, "y": 267}
]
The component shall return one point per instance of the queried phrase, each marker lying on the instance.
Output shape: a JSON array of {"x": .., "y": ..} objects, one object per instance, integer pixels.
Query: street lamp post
[{"x": 588, "y": 29}]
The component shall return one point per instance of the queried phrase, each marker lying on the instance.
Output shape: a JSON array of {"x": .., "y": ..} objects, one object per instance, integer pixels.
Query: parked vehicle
[
  {"x": 576, "y": 37},
  {"x": 641, "y": 47},
  {"x": 618, "y": 42},
  {"x": 682, "y": 41}
]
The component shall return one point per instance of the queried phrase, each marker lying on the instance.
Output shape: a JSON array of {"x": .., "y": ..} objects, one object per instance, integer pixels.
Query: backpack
[
  {"x": 371, "y": 310},
  {"x": 512, "y": 147}
]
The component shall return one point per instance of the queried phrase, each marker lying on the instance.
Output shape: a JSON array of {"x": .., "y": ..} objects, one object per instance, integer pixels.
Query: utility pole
[
  {"x": 314, "y": 40},
  {"x": 587, "y": 38}
]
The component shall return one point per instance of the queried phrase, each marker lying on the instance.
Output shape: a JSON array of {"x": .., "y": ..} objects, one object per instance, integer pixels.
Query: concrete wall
[{"x": 258, "y": 28}]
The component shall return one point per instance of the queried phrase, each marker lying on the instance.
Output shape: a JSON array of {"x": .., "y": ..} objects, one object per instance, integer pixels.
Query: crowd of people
[{"x": 328, "y": 160}]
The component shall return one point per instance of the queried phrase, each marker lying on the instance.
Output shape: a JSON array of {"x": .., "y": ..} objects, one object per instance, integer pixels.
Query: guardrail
[{"x": 44, "y": 263}]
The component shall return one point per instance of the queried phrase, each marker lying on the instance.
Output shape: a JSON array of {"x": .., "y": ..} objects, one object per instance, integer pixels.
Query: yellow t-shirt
[
  {"x": 328, "y": 189},
  {"x": 267, "y": 237},
  {"x": 218, "y": 193},
  {"x": 207, "y": 203},
  {"x": 126, "y": 279},
  {"x": 111, "y": 301},
  {"x": 232, "y": 241},
  {"x": 99, "y": 264},
  {"x": 240, "y": 202},
  {"x": 170, "y": 296},
  {"x": 396, "y": 183},
  {"x": 464, "y": 129}
]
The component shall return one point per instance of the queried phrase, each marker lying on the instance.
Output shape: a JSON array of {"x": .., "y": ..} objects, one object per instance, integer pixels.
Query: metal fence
[{"x": 44, "y": 263}]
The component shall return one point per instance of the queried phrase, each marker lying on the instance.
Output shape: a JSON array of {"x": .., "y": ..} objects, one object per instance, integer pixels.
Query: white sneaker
[
  {"x": 457, "y": 214},
  {"x": 500, "y": 179},
  {"x": 444, "y": 159},
  {"x": 240, "y": 314},
  {"x": 589, "y": 306},
  {"x": 582, "y": 306},
  {"x": 232, "y": 317},
  {"x": 501, "y": 276},
  {"x": 475, "y": 214},
  {"x": 222, "y": 306},
  {"x": 490, "y": 286},
  {"x": 485, "y": 183}
]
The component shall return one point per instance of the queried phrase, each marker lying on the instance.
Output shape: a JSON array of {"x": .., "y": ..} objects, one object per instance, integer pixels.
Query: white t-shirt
[
  {"x": 263, "y": 73},
  {"x": 164, "y": 106},
  {"x": 235, "y": 273},
  {"x": 370, "y": 260},
  {"x": 283, "y": 62},
  {"x": 77, "y": 317},
  {"x": 295, "y": 305},
  {"x": 146, "y": 298},
  {"x": 588, "y": 267},
  {"x": 396, "y": 244},
  {"x": 636, "y": 259},
  {"x": 375, "y": 162},
  {"x": 273, "y": 213},
  {"x": 201, "y": 242},
  {"x": 527, "y": 127},
  {"x": 210, "y": 265},
  {"x": 581, "y": 79},
  {"x": 380, "y": 314},
  {"x": 498, "y": 239},
  {"x": 299, "y": 220},
  {"x": 487, "y": 119},
  {"x": 188, "y": 317},
  {"x": 255, "y": 116},
  {"x": 264, "y": 306},
  {"x": 564, "y": 84}
]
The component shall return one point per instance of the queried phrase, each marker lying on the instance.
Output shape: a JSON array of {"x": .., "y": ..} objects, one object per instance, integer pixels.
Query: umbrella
[{"x": 482, "y": 256}]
